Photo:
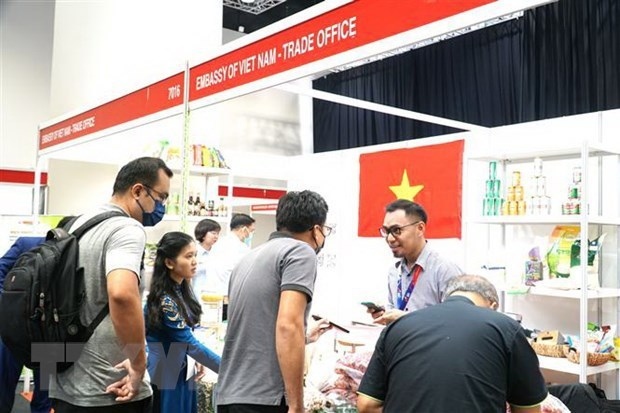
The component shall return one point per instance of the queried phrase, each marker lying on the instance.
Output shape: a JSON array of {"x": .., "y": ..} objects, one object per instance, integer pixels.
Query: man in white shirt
[{"x": 227, "y": 252}]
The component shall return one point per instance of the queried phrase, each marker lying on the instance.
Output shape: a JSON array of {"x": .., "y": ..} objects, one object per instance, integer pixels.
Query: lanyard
[{"x": 402, "y": 301}]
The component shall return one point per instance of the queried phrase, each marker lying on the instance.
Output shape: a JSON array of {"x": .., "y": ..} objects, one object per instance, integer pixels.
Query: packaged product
[
  {"x": 533, "y": 266},
  {"x": 559, "y": 255},
  {"x": 209, "y": 157},
  {"x": 594, "y": 247},
  {"x": 173, "y": 157}
]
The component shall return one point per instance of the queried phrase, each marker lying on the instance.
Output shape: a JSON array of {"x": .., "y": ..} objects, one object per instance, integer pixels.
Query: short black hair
[
  {"x": 143, "y": 170},
  {"x": 204, "y": 226},
  {"x": 241, "y": 220},
  {"x": 411, "y": 209},
  {"x": 300, "y": 211}
]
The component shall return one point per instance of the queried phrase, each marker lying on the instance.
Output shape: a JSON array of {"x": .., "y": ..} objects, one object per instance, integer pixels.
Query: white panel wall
[
  {"x": 267, "y": 121},
  {"x": 78, "y": 187},
  {"x": 103, "y": 49},
  {"x": 26, "y": 33}
]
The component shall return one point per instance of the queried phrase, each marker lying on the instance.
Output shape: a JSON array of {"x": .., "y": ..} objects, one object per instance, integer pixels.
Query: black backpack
[{"x": 42, "y": 298}]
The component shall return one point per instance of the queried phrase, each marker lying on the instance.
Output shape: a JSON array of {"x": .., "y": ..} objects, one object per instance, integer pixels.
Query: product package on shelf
[
  {"x": 209, "y": 157},
  {"x": 201, "y": 155},
  {"x": 533, "y": 266},
  {"x": 209, "y": 208},
  {"x": 491, "y": 204},
  {"x": 599, "y": 343},
  {"x": 572, "y": 206},
  {"x": 163, "y": 149},
  {"x": 563, "y": 257},
  {"x": 517, "y": 201},
  {"x": 540, "y": 202}
]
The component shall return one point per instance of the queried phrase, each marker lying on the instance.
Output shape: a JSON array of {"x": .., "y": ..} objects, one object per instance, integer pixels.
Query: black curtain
[{"x": 557, "y": 60}]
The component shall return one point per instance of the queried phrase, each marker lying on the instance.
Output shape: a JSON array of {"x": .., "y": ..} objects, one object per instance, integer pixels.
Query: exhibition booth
[{"x": 503, "y": 202}]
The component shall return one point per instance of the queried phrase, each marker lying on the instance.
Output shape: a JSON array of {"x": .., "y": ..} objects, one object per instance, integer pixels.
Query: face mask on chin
[{"x": 150, "y": 219}]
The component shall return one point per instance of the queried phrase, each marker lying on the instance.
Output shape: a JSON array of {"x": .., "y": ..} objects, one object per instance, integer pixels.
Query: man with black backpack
[
  {"x": 109, "y": 372},
  {"x": 10, "y": 367}
]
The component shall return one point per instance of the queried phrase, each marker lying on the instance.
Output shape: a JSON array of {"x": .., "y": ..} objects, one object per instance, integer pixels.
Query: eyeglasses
[
  {"x": 162, "y": 196},
  {"x": 326, "y": 231},
  {"x": 395, "y": 230}
]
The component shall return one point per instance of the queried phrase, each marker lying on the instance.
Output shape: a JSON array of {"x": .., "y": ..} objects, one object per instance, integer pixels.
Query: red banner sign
[
  {"x": 12, "y": 176},
  {"x": 265, "y": 207},
  {"x": 352, "y": 25},
  {"x": 147, "y": 101}
]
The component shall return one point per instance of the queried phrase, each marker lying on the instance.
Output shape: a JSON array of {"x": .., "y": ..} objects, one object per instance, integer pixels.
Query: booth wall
[
  {"x": 127, "y": 45},
  {"x": 26, "y": 33},
  {"x": 78, "y": 187},
  {"x": 353, "y": 269}
]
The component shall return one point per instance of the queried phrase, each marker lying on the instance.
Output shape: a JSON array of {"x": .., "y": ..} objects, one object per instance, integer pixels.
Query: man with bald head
[{"x": 459, "y": 355}]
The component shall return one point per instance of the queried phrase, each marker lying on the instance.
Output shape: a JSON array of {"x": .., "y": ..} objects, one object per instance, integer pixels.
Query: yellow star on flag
[{"x": 405, "y": 190}]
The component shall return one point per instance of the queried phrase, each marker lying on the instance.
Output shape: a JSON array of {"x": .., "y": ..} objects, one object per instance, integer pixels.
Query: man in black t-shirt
[{"x": 457, "y": 356}]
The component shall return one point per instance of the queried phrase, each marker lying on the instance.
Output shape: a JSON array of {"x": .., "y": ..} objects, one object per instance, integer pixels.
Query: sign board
[
  {"x": 353, "y": 25},
  {"x": 159, "y": 96},
  {"x": 264, "y": 207},
  {"x": 352, "y": 31}
]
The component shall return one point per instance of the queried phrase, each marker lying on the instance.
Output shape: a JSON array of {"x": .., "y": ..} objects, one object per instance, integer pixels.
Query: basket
[
  {"x": 594, "y": 359},
  {"x": 549, "y": 350}
]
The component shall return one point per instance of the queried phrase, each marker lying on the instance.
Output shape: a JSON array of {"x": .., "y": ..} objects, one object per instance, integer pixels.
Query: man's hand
[
  {"x": 375, "y": 313},
  {"x": 388, "y": 316},
  {"x": 127, "y": 388},
  {"x": 200, "y": 372},
  {"x": 317, "y": 329},
  {"x": 366, "y": 404}
]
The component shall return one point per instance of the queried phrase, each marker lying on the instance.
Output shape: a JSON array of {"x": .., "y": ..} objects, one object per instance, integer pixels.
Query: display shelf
[
  {"x": 562, "y": 364},
  {"x": 543, "y": 219},
  {"x": 193, "y": 218},
  {"x": 574, "y": 152},
  {"x": 584, "y": 152},
  {"x": 576, "y": 294},
  {"x": 204, "y": 171}
]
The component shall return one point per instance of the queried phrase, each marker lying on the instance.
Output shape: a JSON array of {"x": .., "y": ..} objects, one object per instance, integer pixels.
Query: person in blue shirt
[
  {"x": 171, "y": 313},
  {"x": 10, "y": 368}
]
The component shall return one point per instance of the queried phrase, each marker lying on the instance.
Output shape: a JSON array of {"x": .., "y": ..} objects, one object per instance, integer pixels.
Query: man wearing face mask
[
  {"x": 109, "y": 373},
  {"x": 227, "y": 252},
  {"x": 269, "y": 301}
]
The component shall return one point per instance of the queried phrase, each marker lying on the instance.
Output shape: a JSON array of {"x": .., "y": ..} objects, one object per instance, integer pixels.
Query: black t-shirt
[{"x": 453, "y": 357}]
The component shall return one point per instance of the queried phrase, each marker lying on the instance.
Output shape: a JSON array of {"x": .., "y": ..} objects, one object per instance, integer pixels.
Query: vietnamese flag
[{"x": 429, "y": 175}]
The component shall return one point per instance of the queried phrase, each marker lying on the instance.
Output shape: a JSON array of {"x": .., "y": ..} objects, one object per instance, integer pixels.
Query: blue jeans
[{"x": 10, "y": 370}]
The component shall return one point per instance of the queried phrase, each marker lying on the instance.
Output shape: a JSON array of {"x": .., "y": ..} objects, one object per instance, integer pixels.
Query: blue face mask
[
  {"x": 248, "y": 239},
  {"x": 150, "y": 219}
]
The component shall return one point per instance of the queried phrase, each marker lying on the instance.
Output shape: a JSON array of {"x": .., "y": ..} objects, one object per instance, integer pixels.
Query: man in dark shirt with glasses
[{"x": 419, "y": 278}]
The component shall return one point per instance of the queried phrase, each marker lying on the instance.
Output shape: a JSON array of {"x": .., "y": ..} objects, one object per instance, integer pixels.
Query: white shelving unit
[
  {"x": 210, "y": 176},
  {"x": 587, "y": 154}
]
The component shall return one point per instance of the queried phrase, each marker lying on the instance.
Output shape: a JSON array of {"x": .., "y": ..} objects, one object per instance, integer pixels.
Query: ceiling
[{"x": 247, "y": 16}]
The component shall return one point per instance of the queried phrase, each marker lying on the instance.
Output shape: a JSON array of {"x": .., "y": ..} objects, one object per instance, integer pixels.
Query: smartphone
[
  {"x": 317, "y": 318},
  {"x": 373, "y": 307}
]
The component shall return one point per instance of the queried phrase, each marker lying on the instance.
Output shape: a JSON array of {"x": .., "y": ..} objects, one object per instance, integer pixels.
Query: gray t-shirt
[
  {"x": 429, "y": 290},
  {"x": 250, "y": 372},
  {"x": 116, "y": 243}
]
